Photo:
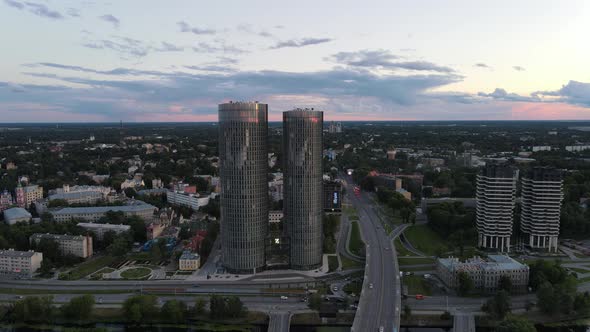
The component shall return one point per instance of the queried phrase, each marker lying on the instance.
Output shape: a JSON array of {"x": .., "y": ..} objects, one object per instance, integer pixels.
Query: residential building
[
  {"x": 28, "y": 194},
  {"x": 542, "y": 194},
  {"x": 243, "y": 169},
  {"x": 76, "y": 245},
  {"x": 193, "y": 201},
  {"x": 189, "y": 261},
  {"x": 78, "y": 197},
  {"x": 335, "y": 127},
  {"x": 16, "y": 215},
  {"x": 100, "y": 229},
  {"x": 391, "y": 154},
  {"x": 276, "y": 187},
  {"x": 496, "y": 197},
  {"x": 132, "y": 183},
  {"x": 485, "y": 273},
  {"x": 94, "y": 213},
  {"x": 19, "y": 264},
  {"x": 5, "y": 200},
  {"x": 303, "y": 195}
]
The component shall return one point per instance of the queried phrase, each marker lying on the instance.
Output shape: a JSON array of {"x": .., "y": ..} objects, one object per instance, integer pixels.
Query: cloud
[
  {"x": 212, "y": 68},
  {"x": 249, "y": 29},
  {"x": 482, "y": 65},
  {"x": 220, "y": 47},
  {"x": 518, "y": 68},
  {"x": 383, "y": 59},
  {"x": 502, "y": 94},
  {"x": 301, "y": 42},
  {"x": 73, "y": 12},
  {"x": 185, "y": 27},
  {"x": 110, "y": 19},
  {"x": 35, "y": 8},
  {"x": 167, "y": 47},
  {"x": 573, "y": 92},
  {"x": 14, "y": 4}
]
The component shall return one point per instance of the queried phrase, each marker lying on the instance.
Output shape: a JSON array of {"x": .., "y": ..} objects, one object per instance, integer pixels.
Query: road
[
  {"x": 463, "y": 322},
  {"x": 380, "y": 301},
  {"x": 279, "y": 321}
]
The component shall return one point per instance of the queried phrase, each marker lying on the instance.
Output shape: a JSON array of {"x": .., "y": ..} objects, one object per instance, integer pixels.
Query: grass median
[
  {"x": 425, "y": 240},
  {"x": 87, "y": 268},
  {"x": 356, "y": 244}
]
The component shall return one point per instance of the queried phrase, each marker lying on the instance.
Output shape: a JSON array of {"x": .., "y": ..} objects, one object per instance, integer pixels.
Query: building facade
[
  {"x": 94, "y": 213},
  {"x": 100, "y": 229},
  {"x": 180, "y": 198},
  {"x": 78, "y": 197},
  {"x": 496, "y": 198},
  {"x": 75, "y": 245},
  {"x": 189, "y": 261},
  {"x": 19, "y": 264},
  {"x": 5, "y": 200},
  {"x": 243, "y": 170},
  {"x": 27, "y": 195},
  {"x": 542, "y": 194},
  {"x": 485, "y": 273},
  {"x": 332, "y": 200},
  {"x": 16, "y": 215},
  {"x": 303, "y": 182}
]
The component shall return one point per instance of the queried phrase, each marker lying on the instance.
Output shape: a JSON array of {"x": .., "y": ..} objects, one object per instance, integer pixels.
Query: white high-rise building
[
  {"x": 542, "y": 194},
  {"x": 496, "y": 197}
]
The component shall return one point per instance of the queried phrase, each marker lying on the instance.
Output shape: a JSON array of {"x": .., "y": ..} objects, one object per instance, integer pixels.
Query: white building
[
  {"x": 577, "y": 148},
  {"x": 101, "y": 229},
  {"x": 76, "y": 245},
  {"x": 542, "y": 194},
  {"x": 78, "y": 197},
  {"x": 496, "y": 198},
  {"x": 189, "y": 261},
  {"x": 19, "y": 264},
  {"x": 16, "y": 215},
  {"x": 194, "y": 201},
  {"x": 485, "y": 273},
  {"x": 94, "y": 213}
]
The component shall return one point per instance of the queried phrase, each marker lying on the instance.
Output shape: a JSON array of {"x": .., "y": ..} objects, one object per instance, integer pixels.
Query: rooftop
[
  {"x": 14, "y": 213},
  {"x": 189, "y": 255},
  {"x": 98, "y": 225},
  {"x": 58, "y": 237},
  {"x": 75, "y": 194},
  {"x": 14, "y": 253},
  {"x": 493, "y": 262},
  {"x": 105, "y": 209}
]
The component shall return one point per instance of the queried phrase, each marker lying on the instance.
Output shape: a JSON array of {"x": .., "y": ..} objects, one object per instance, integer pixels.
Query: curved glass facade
[
  {"x": 302, "y": 171},
  {"x": 243, "y": 169}
]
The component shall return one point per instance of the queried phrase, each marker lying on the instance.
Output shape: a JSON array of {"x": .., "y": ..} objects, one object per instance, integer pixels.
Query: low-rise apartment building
[
  {"x": 19, "y": 264},
  {"x": 194, "y": 201},
  {"x": 100, "y": 229},
  {"x": 75, "y": 245},
  {"x": 16, "y": 215},
  {"x": 189, "y": 261},
  {"x": 94, "y": 213}
]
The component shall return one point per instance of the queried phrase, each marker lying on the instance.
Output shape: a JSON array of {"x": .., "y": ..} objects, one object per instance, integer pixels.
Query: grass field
[
  {"x": 87, "y": 268},
  {"x": 401, "y": 250},
  {"x": 348, "y": 264},
  {"x": 356, "y": 245},
  {"x": 136, "y": 273},
  {"x": 425, "y": 239},
  {"x": 417, "y": 285},
  {"x": 579, "y": 270},
  {"x": 415, "y": 260},
  {"x": 353, "y": 287},
  {"x": 332, "y": 263}
]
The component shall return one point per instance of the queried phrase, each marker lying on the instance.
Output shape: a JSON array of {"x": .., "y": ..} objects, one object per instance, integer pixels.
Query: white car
[
  {"x": 381, "y": 329},
  {"x": 370, "y": 286},
  {"x": 283, "y": 297}
]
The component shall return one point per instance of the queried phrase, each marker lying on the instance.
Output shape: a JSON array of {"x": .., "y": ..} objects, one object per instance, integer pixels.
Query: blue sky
[{"x": 176, "y": 60}]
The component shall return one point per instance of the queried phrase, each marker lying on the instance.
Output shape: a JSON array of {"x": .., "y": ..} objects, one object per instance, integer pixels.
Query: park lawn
[
  {"x": 353, "y": 287},
  {"x": 348, "y": 264},
  {"x": 401, "y": 250},
  {"x": 415, "y": 260},
  {"x": 136, "y": 273},
  {"x": 417, "y": 285},
  {"x": 584, "y": 280},
  {"x": 87, "y": 268},
  {"x": 332, "y": 263},
  {"x": 356, "y": 244},
  {"x": 425, "y": 239}
]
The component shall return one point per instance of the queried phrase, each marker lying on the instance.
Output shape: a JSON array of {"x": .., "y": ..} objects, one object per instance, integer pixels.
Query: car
[
  {"x": 427, "y": 276},
  {"x": 371, "y": 286},
  {"x": 283, "y": 297},
  {"x": 19, "y": 297},
  {"x": 335, "y": 289},
  {"x": 386, "y": 248},
  {"x": 419, "y": 297},
  {"x": 381, "y": 329}
]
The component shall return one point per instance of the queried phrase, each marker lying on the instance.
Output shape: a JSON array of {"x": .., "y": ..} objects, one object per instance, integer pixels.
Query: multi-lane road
[{"x": 380, "y": 301}]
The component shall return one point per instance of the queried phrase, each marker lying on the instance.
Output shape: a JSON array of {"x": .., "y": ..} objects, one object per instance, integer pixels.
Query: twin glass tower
[{"x": 243, "y": 168}]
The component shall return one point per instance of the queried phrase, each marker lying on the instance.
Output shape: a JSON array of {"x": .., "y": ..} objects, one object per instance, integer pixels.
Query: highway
[
  {"x": 380, "y": 301},
  {"x": 279, "y": 321}
]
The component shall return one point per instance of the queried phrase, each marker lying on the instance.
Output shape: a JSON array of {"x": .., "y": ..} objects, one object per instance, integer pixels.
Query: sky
[{"x": 176, "y": 60}]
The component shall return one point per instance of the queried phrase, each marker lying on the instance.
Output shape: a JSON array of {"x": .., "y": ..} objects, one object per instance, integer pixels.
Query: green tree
[
  {"x": 582, "y": 303},
  {"x": 499, "y": 305},
  {"x": 174, "y": 311},
  {"x": 217, "y": 307},
  {"x": 140, "y": 308},
  {"x": 33, "y": 309},
  {"x": 119, "y": 247},
  {"x": 466, "y": 284},
  {"x": 79, "y": 308},
  {"x": 315, "y": 301},
  {"x": 407, "y": 312},
  {"x": 546, "y": 298},
  {"x": 516, "y": 324},
  {"x": 505, "y": 283},
  {"x": 235, "y": 307},
  {"x": 199, "y": 308}
]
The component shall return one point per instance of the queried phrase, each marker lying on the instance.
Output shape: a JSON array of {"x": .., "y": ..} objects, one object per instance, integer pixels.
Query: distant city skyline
[{"x": 143, "y": 61}]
